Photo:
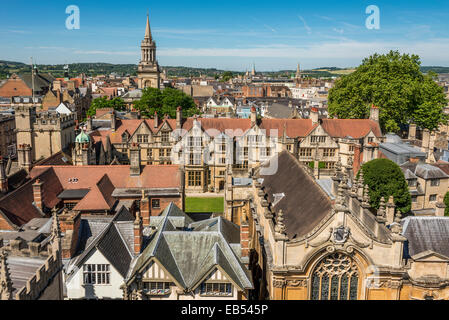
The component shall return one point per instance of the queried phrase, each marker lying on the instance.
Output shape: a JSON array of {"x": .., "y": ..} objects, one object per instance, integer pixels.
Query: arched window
[{"x": 336, "y": 277}]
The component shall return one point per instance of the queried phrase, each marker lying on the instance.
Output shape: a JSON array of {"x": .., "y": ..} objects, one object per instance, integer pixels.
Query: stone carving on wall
[{"x": 279, "y": 283}]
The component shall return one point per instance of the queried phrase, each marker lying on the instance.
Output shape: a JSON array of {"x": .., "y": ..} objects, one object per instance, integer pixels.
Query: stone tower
[{"x": 148, "y": 70}]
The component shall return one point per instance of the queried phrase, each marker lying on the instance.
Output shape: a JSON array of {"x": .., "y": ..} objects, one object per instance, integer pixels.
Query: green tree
[
  {"x": 395, "y": 83},
  {"x": 384, "y": 179},
  {"x": 101, "y": 103},
  {"x": 165, "y": 102},
  {"x": 227, "y": 75},
  {"x": 446, "y": 202}
]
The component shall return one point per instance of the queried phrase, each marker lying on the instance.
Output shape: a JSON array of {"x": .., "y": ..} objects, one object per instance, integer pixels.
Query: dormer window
[
  {"x": 412, "y": 182},
  {"x": 124, "y": 138}
]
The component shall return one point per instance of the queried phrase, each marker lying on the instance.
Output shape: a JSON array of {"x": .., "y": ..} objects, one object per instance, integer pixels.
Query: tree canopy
[
  {"x": 165, "y": 102},
  {"x": 384, "y": 179},
  {"x": 101, "y": 103},
  {"x": 446, "y": 202},
  {"x": 395, "y": 84}
]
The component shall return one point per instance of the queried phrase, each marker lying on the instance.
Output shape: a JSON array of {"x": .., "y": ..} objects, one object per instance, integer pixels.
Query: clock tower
[{"x": 148, "y": 72}]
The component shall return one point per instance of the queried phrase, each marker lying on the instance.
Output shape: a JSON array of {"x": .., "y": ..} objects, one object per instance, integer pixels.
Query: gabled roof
[
  {"x": 356, "y": 128},
  {"x": 114, "y": 239},
  {"x": 189, "y": 255}
]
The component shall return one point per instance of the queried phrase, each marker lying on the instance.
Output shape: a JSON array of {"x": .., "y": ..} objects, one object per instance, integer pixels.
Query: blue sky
[{"x": 225, "y": 34}]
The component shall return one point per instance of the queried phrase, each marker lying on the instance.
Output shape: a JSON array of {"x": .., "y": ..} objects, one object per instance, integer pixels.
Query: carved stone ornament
[
  {"x": 340, "y": 234},
  {"x": 297, "y": 283},
  {"x": 279, "y": 283}
]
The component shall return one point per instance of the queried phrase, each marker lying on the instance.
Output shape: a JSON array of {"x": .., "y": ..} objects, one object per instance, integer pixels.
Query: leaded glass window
[{"x": 336, "y": 277}]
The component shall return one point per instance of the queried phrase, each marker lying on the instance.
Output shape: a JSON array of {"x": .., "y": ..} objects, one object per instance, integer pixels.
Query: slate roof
[
  {"x": 305, "y": 204},
  {"x": 424, "y": 170},
  {"x": 191, "y": 254},
  {"x": 426, "y": 234},
  {"x": 112, "y": 237}
]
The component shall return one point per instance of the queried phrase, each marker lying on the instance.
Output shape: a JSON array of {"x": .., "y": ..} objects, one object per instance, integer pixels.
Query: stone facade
[
  {"x": 46, "y": 134},
  {"x": 351, "y": 253}
]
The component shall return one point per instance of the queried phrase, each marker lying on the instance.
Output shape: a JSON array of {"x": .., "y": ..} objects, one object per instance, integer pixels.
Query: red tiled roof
[
  {"x": 340, "y": 128},
  {"x": 155, "y": 176},
  {"x": 356, "y": 128},
  {"x": 99, "y": 197},
  {"x": 18, "y": 205}
]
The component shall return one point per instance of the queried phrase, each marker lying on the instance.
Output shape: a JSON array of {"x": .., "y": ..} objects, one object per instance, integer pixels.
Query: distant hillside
[{"x": 93, "y": 69}]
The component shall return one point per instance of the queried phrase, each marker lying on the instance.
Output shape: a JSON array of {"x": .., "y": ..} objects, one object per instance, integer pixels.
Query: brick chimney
[
  {"x": 314, "y": 115},
  {"x": 145, "y": 210},
  {"x": 69, "y": 222},
  {"x": 37, "y": 193},
  {"x": 374, "y": 113},
  {"x": 138, "y": 234},
  {"x": 244, "y": 240},
  {"x": 358, "y": 158},
  {"x": 135, "y": 160},
  {"x": 3, "y": 177}
]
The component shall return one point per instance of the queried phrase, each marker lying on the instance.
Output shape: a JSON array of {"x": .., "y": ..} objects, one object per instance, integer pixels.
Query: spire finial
[
  {"x": 5, "y": 278},
  {"x": 147, "y": 29},
  {"x": 55, "y": 228}
]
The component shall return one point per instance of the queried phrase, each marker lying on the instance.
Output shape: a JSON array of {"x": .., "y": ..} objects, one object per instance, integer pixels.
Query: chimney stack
[
  {"x": 135, "y": 160},
  {"x": 244, "y": 241},
  {"x": 37, "y": 194},
  {"x": 3, "y": 177},
  {"x": 253, "y": 116},
  {"x": 145, "y": 210},
  {"x": 440, "y": 207},
  {"x": 113, "y": 122},
  {"x": 314, "y": 115},
  {"x": 425, "y": 140},
  {"x": 374, "y": 113},
  {"x": 156, "y": 121},
  {"x": 138, "y": 234},
  {"x": 178, "y": 118},
  {"x": 412, "y": 131},
  {"x": 69, "y": 223},
  {"x": 89, "y": 124}
]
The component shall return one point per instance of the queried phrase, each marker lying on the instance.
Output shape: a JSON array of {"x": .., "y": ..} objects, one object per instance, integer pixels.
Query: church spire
[{"x": 147, "y": 29}]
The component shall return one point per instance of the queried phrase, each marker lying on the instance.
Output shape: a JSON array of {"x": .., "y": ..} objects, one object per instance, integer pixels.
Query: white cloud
[
  {"x": 115, "y": 53},
  {"x": 435, "y": 49},
  {"x": 309, "y": 30}
]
